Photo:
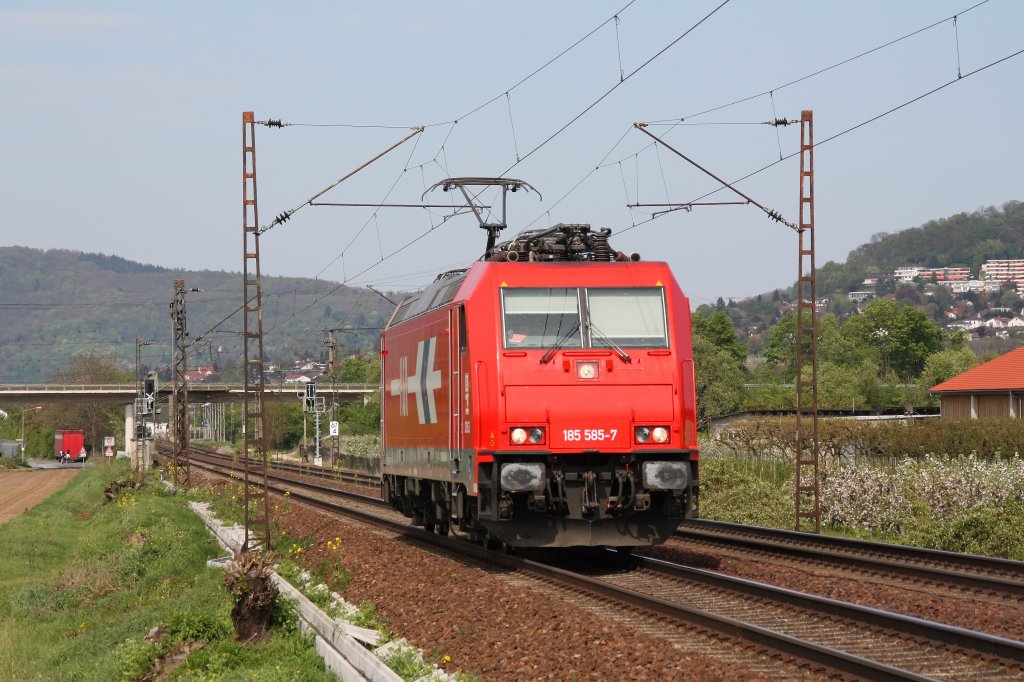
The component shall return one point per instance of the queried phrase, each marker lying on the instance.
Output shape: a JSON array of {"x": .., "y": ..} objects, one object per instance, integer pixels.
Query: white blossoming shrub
[{"x": 861, "y": 495}]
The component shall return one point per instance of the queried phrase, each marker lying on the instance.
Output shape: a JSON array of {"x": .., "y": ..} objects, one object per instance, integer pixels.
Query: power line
[
  {"x": 863, "y": 123},
  {"x": 683, "y": 120},
  {"x": 827, "y": 68},
  {"x": 616, "y": 86}
]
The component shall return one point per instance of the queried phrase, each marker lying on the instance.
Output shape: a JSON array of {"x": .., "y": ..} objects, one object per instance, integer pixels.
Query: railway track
[
  {"x": 984, "y": 574},
  {"x": 978, "y": 573},
  {"x": 848, "y": 639}
]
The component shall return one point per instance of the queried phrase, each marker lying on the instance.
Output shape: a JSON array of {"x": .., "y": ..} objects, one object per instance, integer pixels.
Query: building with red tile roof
[{"x": 992, "y": 389}]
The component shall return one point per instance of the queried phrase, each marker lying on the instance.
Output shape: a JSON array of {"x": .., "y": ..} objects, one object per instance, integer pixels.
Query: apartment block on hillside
[{"x": 1004, "y": 270}]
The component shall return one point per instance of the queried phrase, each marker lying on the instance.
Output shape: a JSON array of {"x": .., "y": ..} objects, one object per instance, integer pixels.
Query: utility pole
[
  {"x": 179, "y": 378},
  {"x": 332, "y": 351},
  {"x": 808, "y": 507},
  {"x": 254, "y": 434}
]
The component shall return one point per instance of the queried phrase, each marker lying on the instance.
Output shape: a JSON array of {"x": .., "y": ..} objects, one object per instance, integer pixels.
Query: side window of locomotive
[
  {"x": 540, "y": 318},
  {"x": 463, "y": 338},
  {"x": 633, "y": 317}
]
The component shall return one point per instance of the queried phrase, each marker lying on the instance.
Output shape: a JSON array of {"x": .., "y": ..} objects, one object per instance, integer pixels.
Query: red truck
[{"x": 69, "y": 446}]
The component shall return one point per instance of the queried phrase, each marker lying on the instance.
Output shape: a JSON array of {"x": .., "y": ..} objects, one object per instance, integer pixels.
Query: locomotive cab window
[
  {"x": 540, "y": 318},
  {"x": 632, "y": 318}
]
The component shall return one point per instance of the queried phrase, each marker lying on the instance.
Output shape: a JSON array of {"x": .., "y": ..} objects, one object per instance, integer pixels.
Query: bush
[
  {"x": 735, "y": 491},
  {"x": 862, "y": 497},
  {"x": 963, "y": 504},
  {"x": 891, "y": 440},
  {"x": 992, "y": 529},
  {"x": 193, "y": 627}
]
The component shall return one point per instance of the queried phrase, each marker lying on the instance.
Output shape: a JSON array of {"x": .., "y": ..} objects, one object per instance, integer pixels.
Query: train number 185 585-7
[{"x": 589, "y": 435}]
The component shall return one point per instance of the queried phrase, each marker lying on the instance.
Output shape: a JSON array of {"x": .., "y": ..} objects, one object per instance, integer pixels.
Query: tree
[
  {"x": 96, "y": 420},
  {"x": 719, "y": 380},
  {"x": 719, "y": 330},
  {"x": 946, "y": 364},
  {"x": 357, "y": 369},
  {"x": 846, "y": 387},
  {"x": 361, "y": 416},
  {"x": 902, "y": 337}
]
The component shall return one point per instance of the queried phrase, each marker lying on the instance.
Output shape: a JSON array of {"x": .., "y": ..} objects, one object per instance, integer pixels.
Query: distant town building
[
  {"x": 906, "y": 273},
  {"x": 1007, "y": 270},
  {"x": 300, "y": 377},
  {"x": 993, "y": 389},
  {"x": 201, "y": 374},
  {"x": 948, "y": 274}
]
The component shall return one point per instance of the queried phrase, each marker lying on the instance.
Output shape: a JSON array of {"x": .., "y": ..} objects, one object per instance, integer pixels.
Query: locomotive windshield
[
  {"x": 588, "y": 318},
  {"x": 537, "y": 318},
  {"x": 634, "y": 318}
]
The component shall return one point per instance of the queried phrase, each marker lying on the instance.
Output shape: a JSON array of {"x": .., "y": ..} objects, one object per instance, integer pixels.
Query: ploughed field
[{"x": 22, "y": 490}]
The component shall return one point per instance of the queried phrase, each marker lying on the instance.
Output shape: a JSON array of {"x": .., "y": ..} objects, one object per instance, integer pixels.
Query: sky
[{"x": 122, "y": 127}]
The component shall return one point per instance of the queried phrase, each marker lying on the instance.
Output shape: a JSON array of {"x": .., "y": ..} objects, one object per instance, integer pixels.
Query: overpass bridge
[{"x": 124, "y": 394}]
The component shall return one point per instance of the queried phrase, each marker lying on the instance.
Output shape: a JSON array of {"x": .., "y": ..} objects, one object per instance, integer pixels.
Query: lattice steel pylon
[
  {"x": 808, "y": 510},
  {"x": 182, "y": 461},
  {"x": 257, "y": 504}
]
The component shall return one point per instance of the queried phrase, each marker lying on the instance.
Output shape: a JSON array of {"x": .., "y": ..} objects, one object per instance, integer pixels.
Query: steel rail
[
  {"x": 988, "y": 572},
  {"x": 1009, "y": 649}
]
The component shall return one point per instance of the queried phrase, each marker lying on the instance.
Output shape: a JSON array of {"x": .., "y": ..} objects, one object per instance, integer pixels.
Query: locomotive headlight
[
  {"x": 518, "y": 476},
  {"x": 651, "y": 434},
  {"x": 587, "y": 370},
  {"x": 666, "y": 475},
  {"x": 521, "y": 435}
]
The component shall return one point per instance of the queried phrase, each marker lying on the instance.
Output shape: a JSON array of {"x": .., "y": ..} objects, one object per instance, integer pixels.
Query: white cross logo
[{"x": 422, "y": 383}]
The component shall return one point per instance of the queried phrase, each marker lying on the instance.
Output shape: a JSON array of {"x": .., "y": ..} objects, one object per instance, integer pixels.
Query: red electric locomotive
[{"x": 544, "y": 397}]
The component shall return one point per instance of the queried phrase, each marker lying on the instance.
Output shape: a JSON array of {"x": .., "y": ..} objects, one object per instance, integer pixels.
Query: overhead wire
[
  {"x": 959, "y": 78},
  {"x": 616, "y": 86},
  {"x": 684, "y": 120},
  {"x": 827, "y": 68}
]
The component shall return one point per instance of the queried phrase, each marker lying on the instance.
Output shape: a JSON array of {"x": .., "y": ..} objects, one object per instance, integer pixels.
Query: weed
[{"x": 191, "y": 626}]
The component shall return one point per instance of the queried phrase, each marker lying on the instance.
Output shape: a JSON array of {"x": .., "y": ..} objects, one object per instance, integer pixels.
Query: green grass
[{"x": 82, "y": 582}]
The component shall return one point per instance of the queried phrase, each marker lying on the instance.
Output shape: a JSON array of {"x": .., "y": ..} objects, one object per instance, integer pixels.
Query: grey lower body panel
[{"x": 639, "y": 529}]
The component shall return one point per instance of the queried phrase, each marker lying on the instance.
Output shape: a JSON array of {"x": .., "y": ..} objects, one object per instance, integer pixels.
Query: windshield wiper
[
  {"x": 546, "y": 358},
  {"x": 611, "y": 344}
]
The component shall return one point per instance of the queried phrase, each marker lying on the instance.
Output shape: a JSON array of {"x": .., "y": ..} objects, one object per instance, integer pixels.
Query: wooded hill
[
  {"x": 57, "y": 304},
  {"x": 964, "y": 239}
]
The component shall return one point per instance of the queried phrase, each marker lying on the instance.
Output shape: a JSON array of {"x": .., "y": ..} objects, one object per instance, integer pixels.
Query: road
[{"x": 22, "y": 490}]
